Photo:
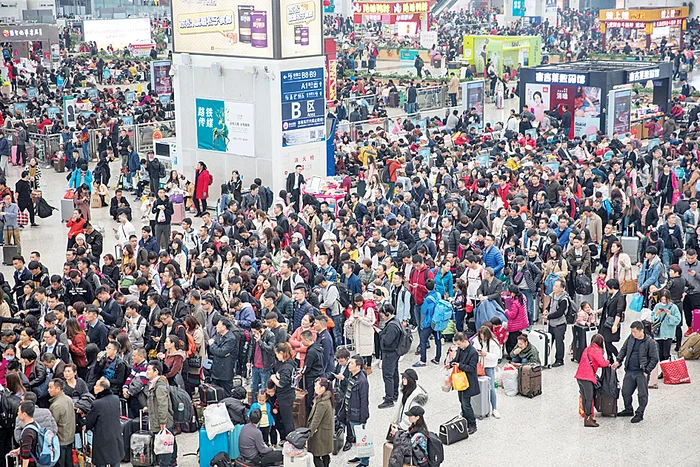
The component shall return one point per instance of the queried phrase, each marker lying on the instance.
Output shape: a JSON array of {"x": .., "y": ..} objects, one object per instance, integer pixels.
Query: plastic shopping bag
[
  {"x": 637, "y": 302},
  {"x": 216, "y": 420},
  {"x": 460, "y": 382},
  {"x": 509, "y": 377},
  {"x": 364, "y": 443},
  {"x": 164, "y": 442},
  {"x": 447, "y": 381}
]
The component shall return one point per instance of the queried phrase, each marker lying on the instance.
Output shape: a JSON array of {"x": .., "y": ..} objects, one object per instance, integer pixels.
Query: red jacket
[
  {"x": 75, "y": 227},
  {"x": 202, "y": 181},
  {"x": 418, "y": 278},
  {"x": 588, "y": 367},
  {"x": 517, "y": 316}
]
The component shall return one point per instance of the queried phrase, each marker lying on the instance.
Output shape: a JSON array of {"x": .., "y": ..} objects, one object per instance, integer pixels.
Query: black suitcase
[
  {"x": 394, "y": 100},
  {"x": 579, "y": 342},
  {"x": 606, "y": 405},
  {"x": 9, "y": 252},
  {"x": 209, "y": 393}
]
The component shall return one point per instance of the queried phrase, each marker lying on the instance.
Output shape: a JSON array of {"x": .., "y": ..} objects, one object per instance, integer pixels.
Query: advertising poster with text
[{"x": 586, "y": 111}]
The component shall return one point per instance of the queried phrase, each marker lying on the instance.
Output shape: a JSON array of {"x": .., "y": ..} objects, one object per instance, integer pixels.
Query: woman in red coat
[
  {"x": 202, "y": 180},
  {"x": 592, "y": 358}
]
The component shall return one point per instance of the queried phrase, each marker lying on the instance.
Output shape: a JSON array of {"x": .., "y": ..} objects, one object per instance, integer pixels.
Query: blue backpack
[
  {"x": 441, "y": 315},
  {"x": 47, "y": 449}
]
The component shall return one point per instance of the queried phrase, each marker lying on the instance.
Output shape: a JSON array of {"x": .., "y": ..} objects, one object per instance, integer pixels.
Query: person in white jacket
[
  {"x": 124, "y": 231},
  {"x": 412, "y": 395},
  {"x": 489, "y": 354}
]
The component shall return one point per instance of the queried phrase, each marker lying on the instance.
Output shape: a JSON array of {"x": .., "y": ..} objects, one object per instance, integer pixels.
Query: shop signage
[
  {"x": 643, "y": 15},
  {"x": 391, "y": 8},
  {"x": 303, "y": 106},
  {"x": 626, "y": 24},
  {"x": 668, "y": 22},
  {"x": 643, "y": 75},
  {"x": 33, "y": 33},
  {"x": 560, "y": 78}
]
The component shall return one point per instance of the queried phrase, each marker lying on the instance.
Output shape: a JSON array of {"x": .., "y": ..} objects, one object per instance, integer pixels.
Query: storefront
[
  {"x": 511, "y": 51},
  {"x": 405, "y": 18},
  {"x": 586, "y": 87},
  {"x": 644, "y": 28},
  {"x": 27, "y": 40}
]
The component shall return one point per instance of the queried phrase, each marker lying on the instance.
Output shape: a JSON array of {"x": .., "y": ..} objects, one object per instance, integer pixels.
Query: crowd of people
[{"x": 291, "y": 293}]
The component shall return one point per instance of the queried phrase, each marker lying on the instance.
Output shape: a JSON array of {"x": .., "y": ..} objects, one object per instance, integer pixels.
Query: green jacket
[
  {"x": 160, "y": 410},
  {"x": 322, "y": 426},
  {"x": 529, "y": 352},
  {"x": 61, "y": 408}
]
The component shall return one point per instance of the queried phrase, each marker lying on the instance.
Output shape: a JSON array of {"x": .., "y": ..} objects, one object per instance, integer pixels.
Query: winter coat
[
  {"x": 321, "y": 424},
  {"x": 360, "y": 326},
  {"x": 648, "y": 353},
  {"x": 494, "y": 352},
  {"x": 467, "y": 360},
  {"x": 649, "y": 274},
  {"x": 668, "y": 323},
  {"x": 160, "y": 410},
  {"x": 220, "y": 352},
  {"x": 592, "y": 358},
  {"x": 517, "y": 316},
  {"x": 623, "y": 271},
  {"x": 403, "y": 303},
  {"x": 615, "y": 306},
  {"x": 402, "y": 450},
  {"x": 418, "y": 398},
  {"x": 267, "y": 347},
  {"x": 202, "y": 180},
  {"x": 107, "y": 439}
]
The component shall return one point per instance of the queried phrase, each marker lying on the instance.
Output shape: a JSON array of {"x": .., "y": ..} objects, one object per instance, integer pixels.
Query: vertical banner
[
  {"x": 621, "y": 111},
  {"x": 303, "y": 106},
  {"x": 560, "y": 96},
  {"x": 474, "y": 92},
  {"x": 586, "y": 111},
  {"x": 225, "y": 126},
  {"x": 69, "y": 112},
  {"x": 537, "y": 99},
  {"x": 161, "y": 81}
]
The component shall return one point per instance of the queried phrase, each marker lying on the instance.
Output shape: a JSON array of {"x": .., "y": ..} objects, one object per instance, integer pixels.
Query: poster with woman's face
[
  {"x": 537, "y": 99},
  {"x": 586, "y": 110}
]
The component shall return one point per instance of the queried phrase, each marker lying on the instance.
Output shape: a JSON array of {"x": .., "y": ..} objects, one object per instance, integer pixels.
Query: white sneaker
[
  {"x": 380, "y": 364},
  {"x": 495, "y": 413}
]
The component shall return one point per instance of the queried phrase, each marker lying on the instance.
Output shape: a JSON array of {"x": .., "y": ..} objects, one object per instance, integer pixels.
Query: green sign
[{"x": 408, "y": 55}]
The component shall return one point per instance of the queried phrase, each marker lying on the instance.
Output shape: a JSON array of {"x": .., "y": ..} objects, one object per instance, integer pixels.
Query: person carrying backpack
[
  {"x": 426, "y": 447},
  {"x": 425, "y": 325},
  {"x": 38, "y": 446},
  {"x": 390, "y": 339}
]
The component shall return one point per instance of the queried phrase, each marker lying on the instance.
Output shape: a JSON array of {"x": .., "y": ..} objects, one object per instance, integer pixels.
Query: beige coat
[
  {"x": 453, "y": 86},
  {"x": 594, "y": 224},
  {"x": 624, "y": 268},
  {"x": 360, "y": 328}
]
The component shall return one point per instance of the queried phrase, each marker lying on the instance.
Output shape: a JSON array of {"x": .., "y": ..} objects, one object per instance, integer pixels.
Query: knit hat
[{"x": 410, "y": 374}]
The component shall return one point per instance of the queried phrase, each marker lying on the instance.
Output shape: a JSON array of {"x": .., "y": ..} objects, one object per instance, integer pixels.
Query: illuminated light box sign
[
  {"x": 391, "y": 8},
  {"x": 643, "y": 75},
  {"x": 560, "y": 78}
]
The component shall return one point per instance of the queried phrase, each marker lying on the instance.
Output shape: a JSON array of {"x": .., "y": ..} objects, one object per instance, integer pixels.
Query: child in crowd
[
  {"x": 602, "y": 288},
  {"x": 267, "y": 421},
  {"x": 499, "y": 331}
]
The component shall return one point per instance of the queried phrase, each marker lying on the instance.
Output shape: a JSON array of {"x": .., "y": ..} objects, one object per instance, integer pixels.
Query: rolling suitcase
[
  {"x": 529, "y": 380},
  {"x": 208, "y": 448},
  {"x": 629, "y": 246},
  {"x": 9, "y": 252},
  {"x": 209, "y": 393},
  {"x": 59, "y": 165},
  {"x": 540, "y": 340},
  {"x": 481, "y": 403},
  {"x": 14, "y": 156},
  {"x": 606, "y": 405},
  {"x": 141, "y": 446},
  {"x": 306, "y": 460},
  {"x": 299, "y": 408},
  {"x": 394, "y": 100},
  {"x": 695, "y": 325},
  {"x": 578, "y": 299},
  {"x": 233, "y": 436},
  {"x": 67, "y": 208},
  {"x": 581, "y": 340},
  {"x": 388, "y": 447},
  {"x": 178, "y": 213}
]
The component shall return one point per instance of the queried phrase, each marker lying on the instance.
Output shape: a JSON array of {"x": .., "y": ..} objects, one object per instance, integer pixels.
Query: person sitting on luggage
[
  {"x": 419, "y": 435},
  {"x": 524, "y": 353},
  {"x": 119, "y": 204},
  {"x": 253, "y": 447},
  {"x": 585, "y": 315}
]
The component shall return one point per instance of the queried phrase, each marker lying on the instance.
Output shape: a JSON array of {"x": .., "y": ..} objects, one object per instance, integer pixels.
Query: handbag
[
  {"x": 460, "y": 382},
  {"x": 22, "y": 219},
  {"x": 609, "y": 322},
  {"x": 675, "y": 371},
  {"x": 216, "y": 420},
  {"x": 480, "y": 368},
  {"x": 629, "y": 286},
  {"x": 453, "y": 431},
  {"x": 195, "y": 361},
  {"x": 637, "y": 302}
]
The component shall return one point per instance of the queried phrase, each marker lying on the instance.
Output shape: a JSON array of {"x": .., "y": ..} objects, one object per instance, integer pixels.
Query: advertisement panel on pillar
[
  {"x": 537, "y": 99},
  {"x": 225, "y": 126},
  {"x": 237, "y": 28},
  {"x": 623, "y": 102},
  {"x": 475, "y": 100},
  {"x": 303, "y": 106},
  {"x": 586, "y": 111},
  {"x": 161, "y": 81},
  {"x": 301, "y": 19}
]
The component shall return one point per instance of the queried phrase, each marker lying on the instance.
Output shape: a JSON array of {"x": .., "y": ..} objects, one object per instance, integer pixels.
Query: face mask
[{"x": 9, "y": 359}]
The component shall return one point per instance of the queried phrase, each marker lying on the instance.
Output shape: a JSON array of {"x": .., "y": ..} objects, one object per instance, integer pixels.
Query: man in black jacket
[
  {"x": 95, "y": 329},
  {"x": 355, "y": 408},
  {"x": 313, "y": 364},
  {"x": 155, "y": 170},
  {"x": 111, "y": 312},
  {"x": 640, "y": 355},
  {"x": 466, "y": 360},
  {"x": 221, "y": 348},
  {"x": 389, "y": 339},
  {"x": 163, "y": 209},
  {"x": 261, "y": 355}
]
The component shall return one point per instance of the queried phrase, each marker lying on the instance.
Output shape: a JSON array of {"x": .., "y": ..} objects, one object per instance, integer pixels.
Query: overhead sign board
[{"x": 303, "y": 106}]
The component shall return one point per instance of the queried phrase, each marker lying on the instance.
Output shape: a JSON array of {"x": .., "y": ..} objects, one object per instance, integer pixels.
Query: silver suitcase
[
  {"x": 629, "y": 246},
  {"x": 67, "y": 208},
  {"x": 481, "y": 403}
]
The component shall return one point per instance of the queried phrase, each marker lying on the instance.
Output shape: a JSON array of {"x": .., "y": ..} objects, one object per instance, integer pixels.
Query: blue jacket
[
  {"x": 668, "y": 323},
  {"x": 329, "y": 273},
  {"x": 270, "y": 418},
  {"x": 649, "y": 274},
  {"x": 245, "y": 316},
  {"x": 354, "y": 284},
  {"x": 428, "y": 308},
  {"x": 150, "y": 245},
  {"x": 134, "y": 162},
  {"x": 76, "y": 180},
  {"x": 324, "y": 338},
  {"x": 493, "y": 259},
  {"x": 444, "y": 284},
  {"x": 300, "y": 310},
  {"x": 563, "y": 236}
]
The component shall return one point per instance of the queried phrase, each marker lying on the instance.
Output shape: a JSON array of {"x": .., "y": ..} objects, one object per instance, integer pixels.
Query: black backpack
[
  {"x": 344, "y": 295},
  {"x": 405, "y": 340},
  {"x": 161, "y": 170},
  {"x": 9, "y": 403},
  {"x": 583, "y": 285},
  {"x": 571, "y": 312},
  {"x": 386, "y": 176},
  {"x": 436, "y": 452}
]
